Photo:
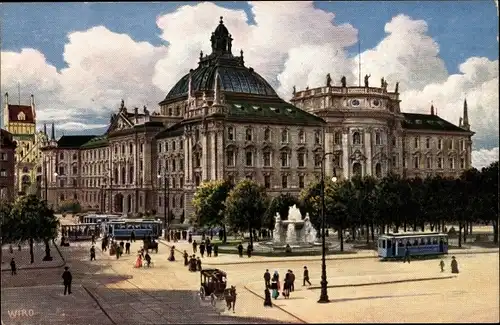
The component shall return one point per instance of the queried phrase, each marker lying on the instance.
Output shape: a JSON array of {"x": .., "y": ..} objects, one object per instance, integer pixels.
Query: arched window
[
  {"x": 284, "y": 136},
  {"x": 115, "y": 176},
  {"x": 337, "y": 138},
  {"x": 356, "y": 138},
  {"x": 230, "y": 133},
  {"x": 131, "y": 175},
  {"x": 170, "y": 111},
  {"x": 378, "y": 170},
  {"x": 61, "y": 155},
  {"x": 356, "y": 169},
  {"x": 267, "y": 135},
  {"x": 61, "y": 197},
  {"x": 317, "y": 137}
]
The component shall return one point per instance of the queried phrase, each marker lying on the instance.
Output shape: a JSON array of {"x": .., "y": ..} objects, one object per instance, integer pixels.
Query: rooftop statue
[
  {"x": 343, "y": 81},
  {"x": 366, "y": 80},
  {"x": 397, "y": 87},
  {"x": 328, "y": 80}
]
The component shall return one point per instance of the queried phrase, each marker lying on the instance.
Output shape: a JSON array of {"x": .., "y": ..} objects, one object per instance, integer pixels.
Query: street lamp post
[
  {"x": 55, "y": 177},
  {"x": 166, "y": 204},
  {"x": 324, "y": 291}
]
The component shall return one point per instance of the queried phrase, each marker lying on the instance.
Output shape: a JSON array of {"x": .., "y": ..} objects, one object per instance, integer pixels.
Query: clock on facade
[
  {"x": 376, "y": 102},
  {"x": 355, "y": 102}
]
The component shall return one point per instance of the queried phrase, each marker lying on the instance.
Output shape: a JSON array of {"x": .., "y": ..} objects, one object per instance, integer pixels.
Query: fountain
[{"x": 295, "y": 231}]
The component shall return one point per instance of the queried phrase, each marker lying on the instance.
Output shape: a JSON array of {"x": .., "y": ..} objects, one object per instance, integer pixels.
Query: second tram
[{"x": 394, "y": 245}]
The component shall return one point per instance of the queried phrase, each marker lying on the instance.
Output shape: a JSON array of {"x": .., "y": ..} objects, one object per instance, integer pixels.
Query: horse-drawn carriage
[
  {"x": 213, "y": 281},
  {"x": 149, "y": 243}
]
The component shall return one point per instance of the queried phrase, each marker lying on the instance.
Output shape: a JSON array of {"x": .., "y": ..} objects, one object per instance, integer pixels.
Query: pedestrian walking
[
  {"x": 92, "y": 253},
  {"x": 195, "y": 245},
  {"x": 202, "y": 249},
  {"x": 13, "y": 267},
  {"x": 454, "y": 265},
  {"x": 93, "y": 239},
  {"x": 306, "y": 277},
  {"x": 186, "y": 258},
  {"x": 249, "y": 250},
  {"x": 127, "y": 247},
  {"x": 292, "y": 281},
  {"x": 209, "y": 250},
  {"x": 407, "y": 255},
  {"x": 67, "y": 279},
  {"x": 267, "y": 299},
  {"x": 216, "y": 250},
  {"x": 240, "y": 250},
  {"x": 441, "y": 264},
  {"x": 198, "y": 264},
  {"x": 267, "y": 279},
  {"x": 132, "y": 236}
]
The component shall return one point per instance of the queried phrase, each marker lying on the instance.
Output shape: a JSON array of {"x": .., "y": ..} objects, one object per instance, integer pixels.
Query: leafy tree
[
  {"x": 279, "y": 204},
  {"x": 245, "y": 206},
  {"x": 391, "y": 204},
  {"x": 36, "y": 222},
  {"x": 210, "y": 203},
  {"x": 310, "y": 200},
  {"x": 9, "y": 229},
  {"x": 70, "y": 206},
  {"x": 488, "y": 197}
]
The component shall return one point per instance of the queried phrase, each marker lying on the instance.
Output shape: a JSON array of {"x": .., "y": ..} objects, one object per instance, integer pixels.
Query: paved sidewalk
[{"x": 22, "y": 257}]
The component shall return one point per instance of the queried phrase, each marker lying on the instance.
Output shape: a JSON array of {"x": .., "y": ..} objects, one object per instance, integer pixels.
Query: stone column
[
  {"x": 220, "y": 154},
  {"x": 205, "y": 157},
  {"x": 345, "y": 153},
  {"x": 189, "y": 159},
  {"x": 147, "y": 164},
  {"x": 213, "y": 155},
  {"x": 187, "y": 177},
  {"x": 328, "y": 145},
  {"x": 368, "y": 152}
]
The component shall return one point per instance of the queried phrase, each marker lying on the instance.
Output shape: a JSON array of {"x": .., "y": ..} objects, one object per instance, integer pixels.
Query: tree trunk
[
  {"x": 423, "y": 226},
  {"x": 32, "y": 256},
  {"x": 373, "y": 231},
  {"x": 465, "y": 232},
  {"x": 396, "y": 229},
  {"x": 432, "y": 227},
  {"x": 251, "y": 236},
  {"x": 224, "y": 234},
  {"x": 470, "y": 232},
  {"x": 404, "y": 227},
  {"x": 353, "y": 230},
  {"x": 367, "y": 234},
  {"x": 47, "y": 251},
  {"x": 341, "y": 232},
  {"x": 459, "y": 235}
]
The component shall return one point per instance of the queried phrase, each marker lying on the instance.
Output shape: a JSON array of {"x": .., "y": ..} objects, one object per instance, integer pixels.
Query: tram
[
  {"x": 393, "y": 245},
  {"x": 122, "y": 228},
  {"x": 81, "y": 231},
  {"x": 100, "y": 218}
]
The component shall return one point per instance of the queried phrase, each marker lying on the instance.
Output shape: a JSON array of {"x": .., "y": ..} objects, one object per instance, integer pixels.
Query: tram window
[
  {"x": 445, "y": 239},
  {"x": 388, "y": 244},
  {"x": 408, "y": 243},
  {"x": 429, "y": 241},
  {"x": 130, "y": 227},
  {"x": 415, "y": 242},
  {"x": 422, "y": 241},
  {"x": 400, "y": 243},
  {"x": 383, "y": 244}
]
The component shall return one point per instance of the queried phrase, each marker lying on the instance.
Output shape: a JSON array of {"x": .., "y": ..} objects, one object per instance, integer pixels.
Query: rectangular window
[
  {"x": 440, "y": 163},
  {"x": 317, "y": 160},
  {"x": 159, "y": 147},
  {"x": 416, "y": 142},
  {"x": 181, "y": 144},
  {"x": 428, "y": 163},
  {"x": 462, "y": 145},
  {"x": 75, "y": 183},
  {"x": 249, "y": 158},
  {"x": 284, "y": 181},
  {"x": 61, "y": 170},
  {"x": 452, "y": 163},
  {"x": 173, "y": 145},
  {"x": 197, "y": 180},
  {"x": 181, "y": 182},
  {"x": 427, "y": 143},
  {"x": 301, "y": 181},
  {"x": 3, "y": 173},
  {"x": 267, "y": 159},
  {"x": 416, "y": 162},
  {"x": 301, "y": 159},
  {"x": 451, "y": 143},
  {"x": 267, "y": 181},
  {"x": 230, "y": 134},
  {"x": 440, "y": 144},
  {"x": 462, "y": 163},
  {"x": 284, "y": 159},
  {"x": 174, "y": 182},
  {"x": 337, "y": 138},
  {"x": 174, "y": 165},
  {"x": 159, "y": 201},
  {"x": 394, "y": 161},
  {"x": 3, "y": 156},
  {"x": 75, "y": 170},
  {"x": 230, "y": 158}
]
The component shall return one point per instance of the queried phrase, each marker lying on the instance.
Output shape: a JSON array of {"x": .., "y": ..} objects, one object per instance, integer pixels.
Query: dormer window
[
  {"x": 248, "y": 134},
  {"x": 284, "y": 136},
  {"x": 21, "y": 116}
]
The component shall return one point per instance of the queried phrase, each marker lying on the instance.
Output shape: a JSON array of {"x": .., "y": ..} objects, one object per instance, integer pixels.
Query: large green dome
[{"x": 234, "y": 77}]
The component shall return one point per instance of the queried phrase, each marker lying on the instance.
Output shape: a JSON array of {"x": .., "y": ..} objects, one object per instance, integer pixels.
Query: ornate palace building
[
  {"x": 7, "y": 166},
  {"x": 20, "y": 121},
  {"x": 223, "y": 120}
]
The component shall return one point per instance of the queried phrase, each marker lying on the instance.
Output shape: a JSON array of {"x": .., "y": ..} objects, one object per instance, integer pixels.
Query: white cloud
[
  {"x": 484, "y": 157},
  {"x": 75, "y": 126},
  {"x": 297, "y": 47}
]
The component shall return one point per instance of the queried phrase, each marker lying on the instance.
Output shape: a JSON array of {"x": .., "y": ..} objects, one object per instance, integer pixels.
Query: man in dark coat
[
  {"x": 92, "y": 253},
  {"x": 267, "y": 279},
  {"x": 190, "y": 238},
  {"x": 198, "y": 264},
  {"x": 127, "y": 247},
  {"x": 267, "y": 300},
  {"x": 216, "y": 250},
  {"x": 407, "y": 255},
  {"x": 132, "y": 236},
  {"x": 13, "y": 267},
  {"x": 249, "y": 250},
  {"x": 209, "y": 250},
  {"x": 202, "y": 248},
  {"x": 306, "y": 277},
  {"x": 240, "y": 250},
  {"x": 67, "y": 278},
  {"x": 454, "y": 265},
  {"x": 292, "y": 281},
  {"x": 195, "y": 245},
  {"x": 186, "y": 258}
]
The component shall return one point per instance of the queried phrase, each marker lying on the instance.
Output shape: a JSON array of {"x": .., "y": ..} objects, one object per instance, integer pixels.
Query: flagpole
[{"x": 359, "y": 63}]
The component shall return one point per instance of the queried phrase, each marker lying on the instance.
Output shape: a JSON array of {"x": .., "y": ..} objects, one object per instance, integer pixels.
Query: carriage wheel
[{"x": 202, "y": 293}]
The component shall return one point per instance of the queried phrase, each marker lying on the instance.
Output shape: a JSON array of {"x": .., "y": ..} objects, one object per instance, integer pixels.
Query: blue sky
[{"x": 462, "y": 28}]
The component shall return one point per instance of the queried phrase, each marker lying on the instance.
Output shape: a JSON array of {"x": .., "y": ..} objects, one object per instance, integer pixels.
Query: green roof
[
  {"x": 279, "y": 112},
  {"x": 96, "y": 142},
  {"x": 414, "y": 121},
  {"x": 73, "y": 141}
]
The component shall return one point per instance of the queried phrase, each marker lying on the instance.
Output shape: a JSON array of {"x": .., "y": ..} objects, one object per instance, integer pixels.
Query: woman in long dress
[
  {"x": 171, "y": 258},
  {"x": 138, "y": 261}
]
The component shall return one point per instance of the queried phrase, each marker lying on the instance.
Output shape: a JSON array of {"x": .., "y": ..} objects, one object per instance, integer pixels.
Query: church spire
[
  {"x": 221, "y": 39},
  {"x": 432, "y": 108},
  {"x": 465, "y": 123},
  {"x": 217, "y": 89},
  {"x": 53, "y": 133}
]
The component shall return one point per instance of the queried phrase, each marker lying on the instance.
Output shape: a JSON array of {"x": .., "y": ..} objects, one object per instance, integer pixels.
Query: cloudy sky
[{"x": 81, "y": 59}]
